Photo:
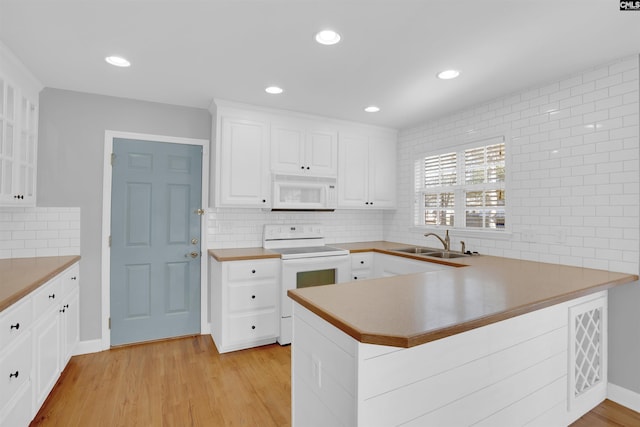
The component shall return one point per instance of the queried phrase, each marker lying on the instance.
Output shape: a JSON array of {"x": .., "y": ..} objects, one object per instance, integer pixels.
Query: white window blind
[{"x": 465, "y": 188}]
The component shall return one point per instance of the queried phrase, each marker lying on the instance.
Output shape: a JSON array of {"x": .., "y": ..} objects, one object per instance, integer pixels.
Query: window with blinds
[{"x": 465, "y": 188}]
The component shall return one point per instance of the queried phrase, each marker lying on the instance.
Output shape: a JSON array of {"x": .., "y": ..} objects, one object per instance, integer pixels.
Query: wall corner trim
[{"x": 623, "y": 396}]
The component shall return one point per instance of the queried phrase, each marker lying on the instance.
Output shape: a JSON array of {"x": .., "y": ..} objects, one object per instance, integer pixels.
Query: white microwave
[{"x": 303, "y": 193}]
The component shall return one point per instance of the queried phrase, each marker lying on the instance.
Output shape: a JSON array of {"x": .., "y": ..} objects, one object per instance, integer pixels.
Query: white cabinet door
[
  {"x": 390, "y": 265},
  {"x": 287, "y": 149},
  {"x": 382, "y": 173},
  {"x": 69, "y": 327},
  {"x": 18, "y": 144},
  {"x": 299, "y": 151},
  {"x": 322, "y": 152},
  {"x": 367, "y": 177},
  {"x": 46, "y": 339},
  {"x": 244, "y": 178},
  {"x": 353, "y": 183}
]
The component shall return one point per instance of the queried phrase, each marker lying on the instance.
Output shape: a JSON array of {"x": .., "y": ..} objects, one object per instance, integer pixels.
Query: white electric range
[{"x": 306, "y": 262}]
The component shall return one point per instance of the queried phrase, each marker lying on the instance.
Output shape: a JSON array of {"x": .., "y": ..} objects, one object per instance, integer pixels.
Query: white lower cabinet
[
  {"x": 391, "y": 265},
  {"x": 362, "y": 265},
  {"x": 244, "y": 303},
  {"x": 39, "y": 333},
  {"x": 46, "y": 334}
]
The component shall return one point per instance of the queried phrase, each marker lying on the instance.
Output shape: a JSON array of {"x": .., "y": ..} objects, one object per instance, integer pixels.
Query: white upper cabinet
[
  {"x": 367, "y": 171},
  {"x": 299, "y": 149},
  {"x": 18, "y": 132},
  {"x": 243, "y": 167},
  {"x": 253, "y": 144}
]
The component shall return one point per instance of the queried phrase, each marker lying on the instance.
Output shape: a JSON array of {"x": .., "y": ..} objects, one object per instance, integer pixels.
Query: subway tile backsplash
[
  {"x": 31, "y": 232},
  {"x": 242, "y": 228},
  {"x": 574, "y": 165}
]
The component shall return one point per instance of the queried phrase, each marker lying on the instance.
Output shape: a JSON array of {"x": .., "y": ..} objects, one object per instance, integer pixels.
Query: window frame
[{"x": 460, "y": 188}]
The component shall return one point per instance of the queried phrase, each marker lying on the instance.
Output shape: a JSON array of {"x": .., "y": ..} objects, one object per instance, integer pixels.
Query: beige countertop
[
  {"x": 413, "y": 309},
  {"x": 20, "y": 276},
  {"x": 241, "y": 254}
]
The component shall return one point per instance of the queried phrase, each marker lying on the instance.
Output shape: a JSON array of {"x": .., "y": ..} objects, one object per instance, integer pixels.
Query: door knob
[{"x": 193, "y": 254}]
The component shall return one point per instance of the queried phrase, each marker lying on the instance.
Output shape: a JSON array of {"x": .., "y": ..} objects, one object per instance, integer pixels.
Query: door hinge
[
  {"x": 200, "y": 211},
  {"x": 113, "y": 158},
  {"x": 109, "y": 241},
  {"x": 109, "y": 323}
]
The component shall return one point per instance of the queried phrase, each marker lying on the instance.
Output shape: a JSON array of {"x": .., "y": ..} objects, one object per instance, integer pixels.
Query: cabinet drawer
[
  {"x": 253, "y": 327},
  {"x": 244, "y": 270},
  {"x": 70, "y": 279},
  {"x": 15, "y": 321},
  {"x": 360, "y": 274},
  {"x": 252, "y": 297},
  {"x": 47, "y": 297},
  {"x": 15, "y": 368},
  {"x": 361, "y": 260}
]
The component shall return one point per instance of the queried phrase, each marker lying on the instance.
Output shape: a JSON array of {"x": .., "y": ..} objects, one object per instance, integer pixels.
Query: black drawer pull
[
  {"x": 16, "y": 326},
  {"x": 253, "y": 297},
  {"x": 14, "y": 375},
  {"x": 361, "y": 262},
  {"x": 74, "y": 278},
  {"x": 52, "y": 296},
  {"x": 253, "y": 327},
  {"x": 253, "y": 271},
  {"x": 62, "y": 311}
]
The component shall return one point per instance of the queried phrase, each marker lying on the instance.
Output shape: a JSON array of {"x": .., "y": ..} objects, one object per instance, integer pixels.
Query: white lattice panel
[
  {"x": 587, "y": 385},
  {"x": 588, "y": 350}
]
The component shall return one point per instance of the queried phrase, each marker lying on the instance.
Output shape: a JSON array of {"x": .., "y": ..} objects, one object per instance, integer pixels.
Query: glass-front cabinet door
[{"x": 18, "y": 146}]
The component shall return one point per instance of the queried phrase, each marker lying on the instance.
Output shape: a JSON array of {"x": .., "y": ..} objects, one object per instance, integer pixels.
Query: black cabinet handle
[
  {"x": 16, "y": 326},
  {"x": 371, "y": 203},
  {"x": 307, "y": 167},
  {"x": 253, "y": 297},
  {"x": 301, "y": 167},
  {"x": 366, "y": 203},
  {"x": 253, "y": 326},
  {"x": 74, "y": 278},
  {"x": 66, "y": 306},
  {"x": 253, "y": 271},
  {"x": 264, "y": 200},
  {"x": 355, "y": 277},
  {"x": 52, "y": 296},
  {"x": 14, "y": 375},
  {"x": 62, "y": 311},
  {"x": 361, "y": 262},
  {"x": 18, "y": 196}
]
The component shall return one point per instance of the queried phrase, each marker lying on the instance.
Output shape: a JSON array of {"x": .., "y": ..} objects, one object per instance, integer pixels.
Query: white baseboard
[
  {"x": 624, "y": 397},
  {"x": 90, "y": 346}
]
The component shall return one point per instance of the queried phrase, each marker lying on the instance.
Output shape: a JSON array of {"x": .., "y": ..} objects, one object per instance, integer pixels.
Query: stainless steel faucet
[{"x": 446, "y": 242}]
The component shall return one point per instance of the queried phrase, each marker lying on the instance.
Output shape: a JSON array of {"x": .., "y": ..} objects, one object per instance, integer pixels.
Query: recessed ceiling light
[
  {"x": 274, "y": 90},
  {"x": 327, "y": 37},
  {"x": 118, "y": 61},
  {"x": 448, "y": 74},
  {"x": 372, "y": 109}
]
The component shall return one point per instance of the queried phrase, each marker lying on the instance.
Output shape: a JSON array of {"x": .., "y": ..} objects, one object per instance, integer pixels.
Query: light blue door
[{"x": 155, "y": 233}]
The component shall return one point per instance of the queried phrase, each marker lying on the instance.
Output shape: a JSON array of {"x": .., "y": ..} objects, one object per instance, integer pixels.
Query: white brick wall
[
  {"x": 574, "y": 167},
  {"x": 30, "y": 232},
  {"x": 242, "y": 228}
]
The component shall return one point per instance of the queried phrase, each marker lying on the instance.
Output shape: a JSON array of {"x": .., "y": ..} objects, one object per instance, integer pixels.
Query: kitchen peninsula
[{"x": 494, "y": 341}]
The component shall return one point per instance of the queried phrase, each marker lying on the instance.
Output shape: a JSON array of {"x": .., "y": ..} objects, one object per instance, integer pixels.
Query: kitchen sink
[
  {"x": 443, "y": 254},
  {"x": 418, "y": 251},
  {"x": 431, "y": 252}
]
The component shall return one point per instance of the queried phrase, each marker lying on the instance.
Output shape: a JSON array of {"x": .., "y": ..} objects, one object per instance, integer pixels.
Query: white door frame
[{"x": 109, "y": 136}]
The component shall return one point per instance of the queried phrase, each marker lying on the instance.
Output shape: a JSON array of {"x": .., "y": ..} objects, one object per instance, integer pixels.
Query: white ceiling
[{"x": 189, "y": 52}]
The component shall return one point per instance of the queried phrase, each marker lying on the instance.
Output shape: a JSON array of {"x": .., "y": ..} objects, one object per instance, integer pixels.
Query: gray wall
[
  {"x": 70, "y": 167},
  {"x": 624, "y": 336}
]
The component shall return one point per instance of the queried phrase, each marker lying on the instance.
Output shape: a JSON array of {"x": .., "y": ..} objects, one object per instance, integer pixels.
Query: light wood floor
[{"x": 186, "y": 382}]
